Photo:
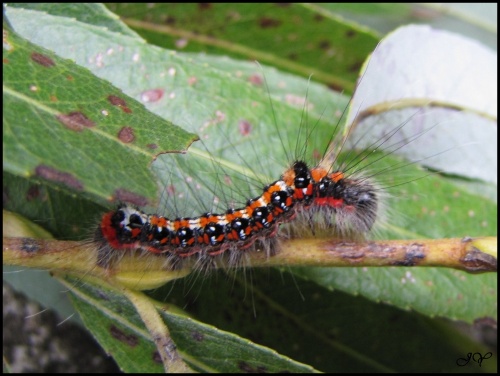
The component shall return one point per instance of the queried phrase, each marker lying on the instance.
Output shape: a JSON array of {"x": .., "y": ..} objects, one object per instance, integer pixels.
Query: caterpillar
[{"x": 298, "y": 190}]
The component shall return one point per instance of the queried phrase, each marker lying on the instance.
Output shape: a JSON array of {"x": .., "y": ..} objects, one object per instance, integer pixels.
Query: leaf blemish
[
  {"x": 126, "y": 135},
  {"x": 169, "y": 20},
  {"x": 181, "y": 43},
  {"x": 119, "y": 102},
  {"x": 76, "y": 121},
  {"x": 324, "y": 44},
  {"x": 129, "y": 339},
  {"x": 318, "y": 17},
  {"x": 204, "y": 6},
  {"x": 153, "y": 95},
  {"x": 52, "y": 174},
  {"x": 33, "y": 193},
  {"x": 124, "y": 195},
  {"x": 267, "y": 22},
  {"x": 197, "y": 336},
  {"x": 356, "y": 66},
  {"x": 247, "y": 368},
  {"x": 6, "y": 44},
  {"x": 256, "y": 80},
  {"x": 116, "y": 101},
  {"x": 157, "y": 358},
  {"x": 42, "y": 59},
  {"x": 245, "y": 127},
  {"x": 350, "y": 33}
]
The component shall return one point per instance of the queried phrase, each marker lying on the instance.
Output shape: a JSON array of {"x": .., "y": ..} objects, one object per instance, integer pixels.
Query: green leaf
[
  {"x": 331, "y": 330},
  {"x": 92, "y": 14},
  {"x": 64, "y": 126},
  {"x": 116, "y": 324},
  {"x": 298, "y": 38}
]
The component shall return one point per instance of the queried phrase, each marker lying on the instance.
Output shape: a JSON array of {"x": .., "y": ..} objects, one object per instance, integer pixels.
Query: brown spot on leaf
[
  {"x": 268, "y": 22},
  {"x": 76, "y": 121},
  {"x": 152, "y": 146},
  {"x": 152, "y": 95},
  {"x": 318, "y": 17},
  {"x": 42, "y": 59},
  {"x": 197, "y": 336},
  {"x": 256, "y": 79},
  {"x": 124, "y": 195},
  {"x": 171, "y": 190},
  {"x": 245, "y": 127},
  {"x": 324, "y": 44},
  {"x": 6, "y": 44},
  {"x": 247, "y": 368},
  {"x": 350, "y": 33},
  {"x": 119, "y": 102},
  {"x": 355, "y": 67},
  {"x": 181, "y": 43},
  {"x": 126, "y": 135},
  {"x": 485, "y": 322},
  {"x": 335, "y": 87},
  {"x": 169, "y": 20},
  {"x": 129, "y": 339},
  {"x": 204, "y": 6},
  {"x": 316, "y": 154},
  {"x": 57, "y": 176},
  {"x": 157, "y": 358},
  {"x": 424, "y": 14},
  {"x": 33, "y": 193},
  {"x": 116, "y": 101}
]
